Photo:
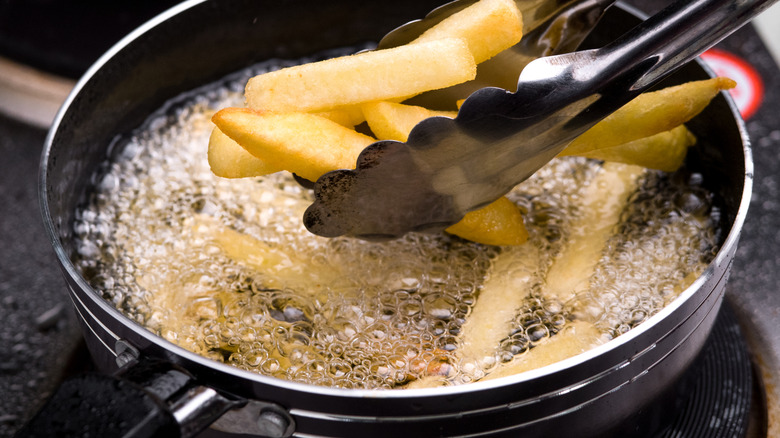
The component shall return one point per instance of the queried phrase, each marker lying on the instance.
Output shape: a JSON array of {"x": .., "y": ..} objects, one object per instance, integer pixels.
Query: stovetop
[{"x": 40, "y": 341}]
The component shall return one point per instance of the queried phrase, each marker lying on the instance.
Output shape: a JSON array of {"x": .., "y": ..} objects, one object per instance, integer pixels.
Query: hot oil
[{"x": 225, "y": 268}]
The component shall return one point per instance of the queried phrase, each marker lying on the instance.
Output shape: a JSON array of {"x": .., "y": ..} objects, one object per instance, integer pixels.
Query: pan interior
[{"x": 159, "y": 238}]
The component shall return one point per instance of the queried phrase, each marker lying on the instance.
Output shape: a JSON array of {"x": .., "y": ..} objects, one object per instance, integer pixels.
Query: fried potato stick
[
  {"x": 305, "y": 144},
  {"x": 363, "y": 77},
  {"x": 509, "y": 282},
  {"x": 604, "y": 200},
  {"x": 649, "y": 114},
  {"x": 280, "y": 268},
  {"x": 488, "y": 26},
  {"x": 229, "y": 160},
  {"x": 664, "y": 151},
  {"x": 498, "y": 223},
  {"x": 309, "y": 146},
  {"x": 577, "y": 337},
  {"x": 394, "y": 121},
  {"x": 514, "y": 271}
]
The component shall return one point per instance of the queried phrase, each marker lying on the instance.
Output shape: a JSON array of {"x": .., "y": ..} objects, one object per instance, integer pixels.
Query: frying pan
[{"x": 612, "y": 390}]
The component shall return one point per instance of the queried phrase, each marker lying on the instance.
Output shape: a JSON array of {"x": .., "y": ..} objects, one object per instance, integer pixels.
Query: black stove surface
[
  {"x": 40, "y": 340},
  {"x": 720, "y": 397},
  {"x": 38, "y": 331}
]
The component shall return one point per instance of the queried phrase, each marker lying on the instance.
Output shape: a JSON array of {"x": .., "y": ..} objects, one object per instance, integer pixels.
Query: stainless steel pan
[{"x": 609, "y": 390}]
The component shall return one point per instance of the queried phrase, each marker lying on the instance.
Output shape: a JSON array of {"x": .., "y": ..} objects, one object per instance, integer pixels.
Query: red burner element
[{"x": 750, "y": 88}]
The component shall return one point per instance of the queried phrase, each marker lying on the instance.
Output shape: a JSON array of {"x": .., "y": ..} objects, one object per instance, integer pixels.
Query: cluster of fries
[{"x": 302, "y": 119}]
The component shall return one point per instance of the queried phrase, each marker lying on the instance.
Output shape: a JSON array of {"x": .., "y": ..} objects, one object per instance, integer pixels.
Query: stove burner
[{"x": 723, "y": 399}]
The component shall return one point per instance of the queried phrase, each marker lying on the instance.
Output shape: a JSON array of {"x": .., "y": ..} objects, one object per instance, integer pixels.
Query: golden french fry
[
  {"x": 229, "y": 160},
  {"x": 301, "y": 143},
  {"x": 349, "y": 115},
  {"x": 349, "y": 88},
  {"x": 488, "y": 26},
  {"x": 309, "y": 146},
  {"x": 394, "y": 121},
  {"x": 368, "y": 76},
  {"x": 663, "y": 151},
  {"x": 498, "y": 223},
  {"x": 650, "y": 113}
]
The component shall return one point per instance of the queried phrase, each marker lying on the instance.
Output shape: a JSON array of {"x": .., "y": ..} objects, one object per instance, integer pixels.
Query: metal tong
[
  {"x": 550, "y": 27},
  {"x": 449, "y": 167}
]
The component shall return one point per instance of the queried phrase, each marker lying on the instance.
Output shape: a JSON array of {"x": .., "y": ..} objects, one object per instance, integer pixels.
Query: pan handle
[{"x": 145, "y": 398}]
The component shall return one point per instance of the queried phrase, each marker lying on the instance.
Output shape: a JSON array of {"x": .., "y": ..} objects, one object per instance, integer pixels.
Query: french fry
[
  {"x": 309, "y": 146},
  {"x": 508, "y": 283},
  {"x": 664, "y": 151},
  {"x": 229, "y": 160},
  {"x": 649, "y": 114},
  {"x": 367, "y": 85},
  {"x": 280, "y": 267},
  {"x": 488, "y": 26},
  {"x": 513, "y": 271},
  {"x": 368, "y": 76},
  {"x": 301, "y": 143},
  {"x": 432, "y": 381},
  {"x": 349, "y": 115},
  {"x": 604, "y": 201},
  {"x": 498, "y": 223},
  {"x": 394, "y": 121},
  {"x": 577, "y": 337}
]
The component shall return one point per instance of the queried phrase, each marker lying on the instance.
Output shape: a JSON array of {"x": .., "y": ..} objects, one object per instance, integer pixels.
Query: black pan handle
[{"x": 144, "y": 399}]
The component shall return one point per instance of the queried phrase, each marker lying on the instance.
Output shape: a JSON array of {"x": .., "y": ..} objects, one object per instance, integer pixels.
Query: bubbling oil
[{"x": 156, "y": 234}]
